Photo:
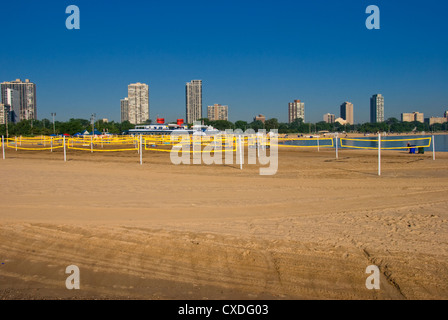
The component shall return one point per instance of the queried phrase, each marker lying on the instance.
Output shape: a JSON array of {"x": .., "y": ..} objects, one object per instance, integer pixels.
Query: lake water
[{"x": 441, "y": 142}]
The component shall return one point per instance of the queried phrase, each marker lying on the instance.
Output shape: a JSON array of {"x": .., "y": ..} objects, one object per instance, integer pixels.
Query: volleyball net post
[
  {"x": 379, "y": 154},
  {"x": 240, "y": 147},
  {"x": 141, "y": 150},
  {"x": 336, "y": 144},
  {"x": 3, "y": 147},
  {"x": 433, "y": 148},
  {"x": 65, "y": 151}
]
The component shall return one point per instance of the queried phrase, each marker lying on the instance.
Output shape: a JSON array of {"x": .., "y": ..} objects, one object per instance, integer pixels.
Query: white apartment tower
[
  {"x": 138, "y": 103},
  {"x": 193, "y": 97}
]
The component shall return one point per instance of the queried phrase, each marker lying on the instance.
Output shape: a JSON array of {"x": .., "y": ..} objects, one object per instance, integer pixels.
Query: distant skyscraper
[
  {"x": 329, "y": 118},
  {"x": 217, "y": 112},
  {"x": 138, "y": 103},
  {"x": 193, "y": 97},
  {"x": 446, "y": 114},
  {"x": 124, "y": 103},
  {"x": 296, "y": 110},
  {"x": 347, "y": 112},
  {"x": 377, "y": 108},
  {"x": 411, "y": 117},
  {"x": 20, "y": 97},
  {"x": 3, "y": 114}
]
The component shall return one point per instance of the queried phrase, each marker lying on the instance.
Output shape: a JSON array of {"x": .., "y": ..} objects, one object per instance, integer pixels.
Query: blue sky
[{"x": 255, "y": 56}]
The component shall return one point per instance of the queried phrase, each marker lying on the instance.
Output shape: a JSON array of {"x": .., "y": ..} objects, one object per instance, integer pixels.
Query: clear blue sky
[{"x": 255, "y": 56}]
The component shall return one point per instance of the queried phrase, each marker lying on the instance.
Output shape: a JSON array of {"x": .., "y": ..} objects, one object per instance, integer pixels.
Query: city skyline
[{"x": 255, "y": 65}]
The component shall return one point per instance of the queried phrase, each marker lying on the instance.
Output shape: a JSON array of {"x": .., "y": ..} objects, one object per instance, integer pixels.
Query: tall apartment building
[
  {"x": 3, "y": 114},
  {"x": 296, "y": 110},
  {"x": 138, "y": 103},
  {"x": 20, "y": 97},
  {"x": 124, "y": 107},
  {"x": 217, "y": 112},
  {"x": 347, "y": 112},
  {"x": 411, "y": 117},
  {"x": 193, "y": 100},
  {"x": 377, "y": 108},
  {"x": 446, "y": 114},
  {"x": 329, "y": 118}
]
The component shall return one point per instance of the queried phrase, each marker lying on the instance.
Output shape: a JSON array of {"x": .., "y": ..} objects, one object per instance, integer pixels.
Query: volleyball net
[
  {"x": 103, "y": 144},
  {"x": 192, "y": 143},
  {"x": 386, "y": 143},
  {"x": 306, "y": 142},
  {"x": 42, "y": 143}
]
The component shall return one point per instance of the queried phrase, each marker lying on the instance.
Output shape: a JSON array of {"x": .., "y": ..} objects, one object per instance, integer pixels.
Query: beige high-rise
[
  {"x": 193, "y": 97},
  {"x": 217, "y": 112},
  {"x": 411, "y": 117},
  {"x": 347, "y": 112},
  {"x": 296, "y": 110},
  {"x": 138, "y": 103},
  {"x": 329, "y": 118}
]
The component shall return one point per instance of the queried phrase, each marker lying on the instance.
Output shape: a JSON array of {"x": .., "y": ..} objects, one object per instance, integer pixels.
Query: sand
[{"x": 161, "y": 231}]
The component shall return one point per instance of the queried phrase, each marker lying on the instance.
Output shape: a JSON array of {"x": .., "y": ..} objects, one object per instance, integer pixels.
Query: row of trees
[
  {"x": 298, "y": 126},
  {"x": 45, "y": 127}
]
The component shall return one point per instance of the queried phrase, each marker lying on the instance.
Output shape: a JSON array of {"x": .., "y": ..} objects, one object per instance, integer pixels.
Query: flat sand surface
[{"x": 161, "y": 231}]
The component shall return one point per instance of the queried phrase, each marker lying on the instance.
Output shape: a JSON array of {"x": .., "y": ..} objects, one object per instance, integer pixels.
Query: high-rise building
[
  {"x": 20, "y": 97},
  {"x": 433, "y": 120},
  {"x": 193, "y": 99},
  {"x": 347, "y": 112},
  {"x": 296, "y": 110},
  {"x": 3, "y": 114},
  {"x": 217, "y": 112},
  {"x": 377, "y": 108},
  {"x": 124, "y": 104},
  {"x": 411, "y": 117},
  {"x": 138, "y": 103},
  {"x": 329, "y": 118},
  {"x": 260, "y": 117},
  {"x": 446, "y": 114}
]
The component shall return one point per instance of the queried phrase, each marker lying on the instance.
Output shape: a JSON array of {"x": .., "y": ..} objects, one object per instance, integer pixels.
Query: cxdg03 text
[{"x": 239, "y": 309}]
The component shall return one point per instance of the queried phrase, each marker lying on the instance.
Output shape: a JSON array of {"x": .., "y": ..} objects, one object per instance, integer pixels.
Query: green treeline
[{"x": 46, "y": 127}]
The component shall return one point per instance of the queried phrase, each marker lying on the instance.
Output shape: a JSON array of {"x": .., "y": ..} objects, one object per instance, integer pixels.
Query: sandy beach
[{"x": 161, "y": 231}]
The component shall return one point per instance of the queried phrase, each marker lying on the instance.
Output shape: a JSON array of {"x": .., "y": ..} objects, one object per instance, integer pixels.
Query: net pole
[
  {"x": 433, "y": 149},
  {"x": 15, "y": 140},
  {"x": 3, "y": 147},
  {"x": 65, "y": 152},
  {"x": 379, "y": 154},
  {"x": 336, "y": 143},
  {"x": 91, "y": 144},
  {"x": 51, "y": 144},
  {"x": 141, "y": 153},
  {"x": 241, "y": 152},
  {"x": 318, "y": 147}
]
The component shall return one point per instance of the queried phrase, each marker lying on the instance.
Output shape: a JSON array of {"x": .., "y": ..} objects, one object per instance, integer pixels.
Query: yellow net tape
[{"x": 385, "y": 141}]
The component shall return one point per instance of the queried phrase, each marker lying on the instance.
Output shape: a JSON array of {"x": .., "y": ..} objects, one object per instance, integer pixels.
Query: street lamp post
[
  {"x": 53, "y": 114},
  {"x": 92, "y": 119}
]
